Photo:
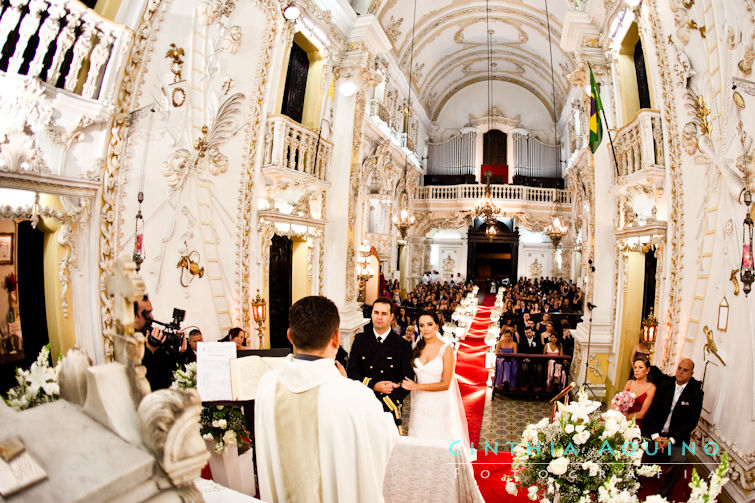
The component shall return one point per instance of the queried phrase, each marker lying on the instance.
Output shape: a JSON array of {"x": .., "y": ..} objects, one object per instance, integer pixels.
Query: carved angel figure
[
  {"x": 208, "y": 158},
  {"x": 231, "y": 42},
  {"x": 209, "y": 12}
]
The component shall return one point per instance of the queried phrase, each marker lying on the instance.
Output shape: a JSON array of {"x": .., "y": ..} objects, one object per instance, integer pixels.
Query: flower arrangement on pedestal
[
  {"x": 221, "y": 425},
  {"x": 37, "y": 385},
  {"x": 584, "y": 455}
]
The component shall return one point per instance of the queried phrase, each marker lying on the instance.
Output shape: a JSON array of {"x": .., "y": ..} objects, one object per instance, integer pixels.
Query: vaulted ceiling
[{"x": 451, "y": 47}]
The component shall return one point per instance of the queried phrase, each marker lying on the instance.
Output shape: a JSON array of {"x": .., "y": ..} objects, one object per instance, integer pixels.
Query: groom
[{"x": 381, "y": 359}]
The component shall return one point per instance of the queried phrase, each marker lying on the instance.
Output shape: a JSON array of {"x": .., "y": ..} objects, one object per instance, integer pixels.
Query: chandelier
[
  {"x": 364, "y": 270},
  {"x": 487, "y": 209},
  {"x": 404, "y": 219},
  {"x": 556, "y": 231}
]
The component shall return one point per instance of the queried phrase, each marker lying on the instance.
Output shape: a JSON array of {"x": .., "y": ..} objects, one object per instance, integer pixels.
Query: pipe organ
[
  {"x": 453, "y": 157},
  {"x": 533, "y": 158}
]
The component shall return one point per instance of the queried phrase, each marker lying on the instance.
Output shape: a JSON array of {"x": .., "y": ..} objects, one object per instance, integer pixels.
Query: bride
[{"x": 437, "y": 412}]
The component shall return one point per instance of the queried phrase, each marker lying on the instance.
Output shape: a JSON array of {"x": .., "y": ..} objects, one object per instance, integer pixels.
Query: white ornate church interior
[{"x": 277, "y": 149}]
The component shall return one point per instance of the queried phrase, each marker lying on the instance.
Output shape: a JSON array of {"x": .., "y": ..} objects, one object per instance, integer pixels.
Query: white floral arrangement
[
  {"x": 584, "y": 455},
  {"x": 37, "y": 385},
  {"x": 218, "y": 424}
]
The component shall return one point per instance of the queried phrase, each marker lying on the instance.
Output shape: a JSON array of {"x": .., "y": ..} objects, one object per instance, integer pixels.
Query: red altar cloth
[{"x": 497, "y": 171}]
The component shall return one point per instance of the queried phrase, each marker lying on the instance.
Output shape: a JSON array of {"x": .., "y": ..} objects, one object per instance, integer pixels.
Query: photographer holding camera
[{"x": 165, "y": 348}]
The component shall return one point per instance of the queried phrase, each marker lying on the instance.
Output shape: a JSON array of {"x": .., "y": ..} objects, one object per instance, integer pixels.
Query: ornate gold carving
[
  {"x": 676, "y": 220},
  {"x": 113, "y": 163},
  {"x": 244, "y": 247},
  {"x": 175, "y": 54},
  {"x": 734, "y": 280},
  {"x": 710, "y": 346}
]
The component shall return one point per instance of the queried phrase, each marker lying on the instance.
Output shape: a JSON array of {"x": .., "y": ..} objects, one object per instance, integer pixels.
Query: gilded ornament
[
  {"x": 710, "y": 346},
  {"x": 734, "y": 280},
  {"x": 175, "y": 54},
  {"x": 738, "y": 99}
]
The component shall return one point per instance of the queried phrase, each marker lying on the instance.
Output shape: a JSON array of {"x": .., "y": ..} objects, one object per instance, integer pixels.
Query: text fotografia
[{"x": 629, "y": 448}]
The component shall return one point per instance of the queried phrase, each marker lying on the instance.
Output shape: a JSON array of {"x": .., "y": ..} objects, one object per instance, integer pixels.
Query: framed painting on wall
[{"x": 6, "y": 248}]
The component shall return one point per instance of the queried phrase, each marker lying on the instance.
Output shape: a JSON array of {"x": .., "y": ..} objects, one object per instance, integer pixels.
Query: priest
[{"x": 319, "y": 436}]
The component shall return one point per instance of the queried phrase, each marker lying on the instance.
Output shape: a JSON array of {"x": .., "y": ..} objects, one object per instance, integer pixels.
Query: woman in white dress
[{"x": 437, "y": 412}]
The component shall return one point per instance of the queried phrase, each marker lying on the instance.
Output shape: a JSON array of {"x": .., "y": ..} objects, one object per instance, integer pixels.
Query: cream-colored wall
[
  {"x": 513, "y": 102},
  {"x": 631, "y": 320},
  {"x": 7, "y": 226},
  {"x": 174, "y": 214},
  {"x": 299, "y": 282},
  {"x": 60, "y": 328},
  {"x": 107, "y": 8}
]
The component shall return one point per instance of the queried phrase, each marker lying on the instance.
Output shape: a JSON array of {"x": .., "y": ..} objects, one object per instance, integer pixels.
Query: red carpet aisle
[
  {"x": 472, "y": 376},
  {"x": 470, "y": 368}
]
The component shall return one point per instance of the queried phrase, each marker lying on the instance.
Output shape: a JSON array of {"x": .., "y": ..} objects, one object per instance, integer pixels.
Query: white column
[{"x": 337, "y": 214}]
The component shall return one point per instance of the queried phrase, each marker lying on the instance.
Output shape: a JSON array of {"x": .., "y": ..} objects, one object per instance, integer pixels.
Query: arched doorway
[{"x": 492, "y": 258}]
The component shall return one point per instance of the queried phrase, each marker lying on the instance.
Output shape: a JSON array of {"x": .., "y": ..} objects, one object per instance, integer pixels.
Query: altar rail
[
  {"x": 505, "y": 192},
  {"x": 65, "y": 44},
  {"x": 639, "y": 144},
  {"x": 290, "y": 145},
  {"x": 532, "y": 375}
]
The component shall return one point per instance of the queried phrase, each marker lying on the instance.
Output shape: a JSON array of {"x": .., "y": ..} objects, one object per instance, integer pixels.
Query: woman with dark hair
[
  {"x": 237, "y": 335},
  {"x": 437, "y": 411},
  {"x": 643, "y": 390}
]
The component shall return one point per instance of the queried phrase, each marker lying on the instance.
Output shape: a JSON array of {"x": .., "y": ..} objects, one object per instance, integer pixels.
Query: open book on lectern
[
  {"x": 221, "y": 376},
  {"x": 246, "y": 373}
]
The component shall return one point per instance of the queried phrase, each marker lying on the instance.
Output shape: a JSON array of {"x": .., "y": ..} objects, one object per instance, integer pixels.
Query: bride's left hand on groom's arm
[{"x": 408, "y": 384}]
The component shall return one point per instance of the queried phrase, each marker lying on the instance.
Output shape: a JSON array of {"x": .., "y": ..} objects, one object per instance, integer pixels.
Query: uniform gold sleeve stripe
[
  {"x": 366, "y": 381},
  {"x": 392, "y": 406}
]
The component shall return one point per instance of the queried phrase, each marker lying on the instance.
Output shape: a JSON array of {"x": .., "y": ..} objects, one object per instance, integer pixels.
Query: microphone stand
[{"x": 586, "y": 384}]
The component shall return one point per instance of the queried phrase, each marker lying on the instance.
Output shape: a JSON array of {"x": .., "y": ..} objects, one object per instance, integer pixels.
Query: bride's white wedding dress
[{"x": 438, "y": 415}]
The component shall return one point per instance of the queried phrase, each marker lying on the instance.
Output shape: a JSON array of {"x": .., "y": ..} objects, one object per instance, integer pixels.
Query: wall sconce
[
  {"x": 291, "y": 12},
  {"x": 650, "y": 330},
  {"x": 259, "y": 313},
  {"x": 189, "y": 264}
]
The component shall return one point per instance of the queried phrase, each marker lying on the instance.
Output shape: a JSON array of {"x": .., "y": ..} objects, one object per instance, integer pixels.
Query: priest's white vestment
[{"x": 319, "y": 436}]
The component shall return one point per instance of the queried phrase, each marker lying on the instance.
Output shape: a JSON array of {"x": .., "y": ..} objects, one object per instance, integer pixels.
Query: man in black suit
[
  {"x": 531, "y": 369},
  {"x": 381, "y": 359},
  {"x": 672, "y": 417}
]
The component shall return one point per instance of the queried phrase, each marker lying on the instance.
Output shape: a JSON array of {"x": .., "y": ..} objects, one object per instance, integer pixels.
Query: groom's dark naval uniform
[
  {"x": 371, "y": 361},
  {"x": 674, "y": 420}
]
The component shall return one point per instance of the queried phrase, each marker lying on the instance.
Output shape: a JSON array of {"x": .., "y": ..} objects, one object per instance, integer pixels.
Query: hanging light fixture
[
  {"x": 486, "y": 209},
  {"x": 746, "y": 273},
  {"x": 556, "y": 231},
  {"x": 404, "y": 219}
]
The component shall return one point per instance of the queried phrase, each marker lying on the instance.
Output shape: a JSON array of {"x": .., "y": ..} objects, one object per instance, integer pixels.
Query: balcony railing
[
  {"x": 504, "y": 192},
  {"x": 290, "y": 145},
  {"x": 639, "y": 144},
  {"x": 377, "y": 109},
  {"x": 74, "y": 48}
]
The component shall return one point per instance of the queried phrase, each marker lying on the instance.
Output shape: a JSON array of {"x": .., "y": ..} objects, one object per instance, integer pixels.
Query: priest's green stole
[{"x": 297, "y": 436}]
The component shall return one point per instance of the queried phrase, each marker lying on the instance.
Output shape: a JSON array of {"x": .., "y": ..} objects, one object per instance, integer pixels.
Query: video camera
[{"x": 171, "y": 330}]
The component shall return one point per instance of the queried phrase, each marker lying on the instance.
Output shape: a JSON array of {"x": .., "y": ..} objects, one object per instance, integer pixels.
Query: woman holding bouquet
[{"x": 642, "y": 389}]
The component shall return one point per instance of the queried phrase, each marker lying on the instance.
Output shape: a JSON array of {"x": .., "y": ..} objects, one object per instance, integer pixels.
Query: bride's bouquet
[{"x": 623, "y": 401}]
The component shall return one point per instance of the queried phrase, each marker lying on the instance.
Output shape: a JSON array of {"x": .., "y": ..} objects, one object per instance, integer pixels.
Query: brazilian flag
[{"x": 596, "y": 127}]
